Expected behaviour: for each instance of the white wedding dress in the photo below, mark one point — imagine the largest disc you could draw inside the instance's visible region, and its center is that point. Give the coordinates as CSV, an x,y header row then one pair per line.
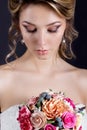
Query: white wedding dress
x,y
9,119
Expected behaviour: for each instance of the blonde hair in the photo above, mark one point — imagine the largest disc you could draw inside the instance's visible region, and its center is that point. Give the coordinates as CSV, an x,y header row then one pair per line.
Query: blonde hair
x,y
64,8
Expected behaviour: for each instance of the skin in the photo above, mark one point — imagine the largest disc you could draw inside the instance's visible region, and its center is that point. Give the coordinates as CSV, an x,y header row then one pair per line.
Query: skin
x,y
41,68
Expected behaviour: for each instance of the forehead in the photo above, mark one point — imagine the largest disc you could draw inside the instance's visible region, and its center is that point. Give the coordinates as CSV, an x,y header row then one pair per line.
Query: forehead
x,y
40,13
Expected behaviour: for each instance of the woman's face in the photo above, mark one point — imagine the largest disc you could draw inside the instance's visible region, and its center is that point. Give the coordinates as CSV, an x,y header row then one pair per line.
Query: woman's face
x,y
42,30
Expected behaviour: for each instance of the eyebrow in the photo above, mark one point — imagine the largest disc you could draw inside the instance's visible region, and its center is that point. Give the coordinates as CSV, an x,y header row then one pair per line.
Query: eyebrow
x,y
46,25
53,23
28,23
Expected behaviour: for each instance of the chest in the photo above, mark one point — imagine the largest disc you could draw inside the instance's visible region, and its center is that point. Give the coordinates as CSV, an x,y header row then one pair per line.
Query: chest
x,y
24,87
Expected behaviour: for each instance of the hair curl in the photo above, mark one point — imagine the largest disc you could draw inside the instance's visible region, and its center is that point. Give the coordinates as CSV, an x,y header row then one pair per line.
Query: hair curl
x,y
64,8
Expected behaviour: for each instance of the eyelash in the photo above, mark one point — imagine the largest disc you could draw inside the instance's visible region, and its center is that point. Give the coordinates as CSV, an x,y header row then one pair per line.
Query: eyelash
x,y
33,31
54,31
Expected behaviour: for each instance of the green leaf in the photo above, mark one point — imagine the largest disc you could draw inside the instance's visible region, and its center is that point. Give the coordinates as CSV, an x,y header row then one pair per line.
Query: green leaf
x,y
50,121
38,104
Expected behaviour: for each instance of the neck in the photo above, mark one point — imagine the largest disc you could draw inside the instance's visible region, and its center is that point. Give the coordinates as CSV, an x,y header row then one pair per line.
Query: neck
x,y
40,65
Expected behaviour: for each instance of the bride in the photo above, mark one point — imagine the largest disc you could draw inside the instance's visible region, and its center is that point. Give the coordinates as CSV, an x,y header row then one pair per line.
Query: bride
x,y
46,28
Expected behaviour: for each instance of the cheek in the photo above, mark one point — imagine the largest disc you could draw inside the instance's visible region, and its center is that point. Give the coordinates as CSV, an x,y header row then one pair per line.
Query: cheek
x,y
26,38
56,39
59,36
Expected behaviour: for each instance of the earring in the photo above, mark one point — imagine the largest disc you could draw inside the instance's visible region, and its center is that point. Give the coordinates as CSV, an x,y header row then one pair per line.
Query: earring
x,y
22,42
63,41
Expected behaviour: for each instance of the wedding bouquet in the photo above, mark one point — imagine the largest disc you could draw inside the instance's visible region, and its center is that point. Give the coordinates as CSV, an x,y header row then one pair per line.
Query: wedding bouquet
x,y
50,111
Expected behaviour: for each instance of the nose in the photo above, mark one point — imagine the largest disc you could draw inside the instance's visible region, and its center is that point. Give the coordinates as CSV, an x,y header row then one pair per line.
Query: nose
x,y
41,38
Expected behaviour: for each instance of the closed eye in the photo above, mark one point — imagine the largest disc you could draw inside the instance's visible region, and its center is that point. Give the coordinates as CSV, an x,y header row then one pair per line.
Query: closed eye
x,y
53,29
31,29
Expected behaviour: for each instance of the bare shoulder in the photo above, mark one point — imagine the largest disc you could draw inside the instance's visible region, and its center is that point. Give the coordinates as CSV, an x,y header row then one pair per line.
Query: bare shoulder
x,y
5,75
82,82
7,68
6,85
79,73
82,76
4,70
79,76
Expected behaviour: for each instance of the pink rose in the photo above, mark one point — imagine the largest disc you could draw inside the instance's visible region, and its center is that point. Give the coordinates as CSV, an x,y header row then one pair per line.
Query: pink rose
x,y
69,120
24,118
38,120
49,127
70,101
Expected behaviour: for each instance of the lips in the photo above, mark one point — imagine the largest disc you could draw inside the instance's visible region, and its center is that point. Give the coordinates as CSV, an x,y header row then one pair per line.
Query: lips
x,y
42,52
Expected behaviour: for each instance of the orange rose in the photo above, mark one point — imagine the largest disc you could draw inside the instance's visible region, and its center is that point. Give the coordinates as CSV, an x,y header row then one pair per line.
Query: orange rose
x,y
54,108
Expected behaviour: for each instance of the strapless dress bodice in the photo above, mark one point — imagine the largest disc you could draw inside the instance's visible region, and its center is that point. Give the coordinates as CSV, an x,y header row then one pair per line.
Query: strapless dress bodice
x,y
9,118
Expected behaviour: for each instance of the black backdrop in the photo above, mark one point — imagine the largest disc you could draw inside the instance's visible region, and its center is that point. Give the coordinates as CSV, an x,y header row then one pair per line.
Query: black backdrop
x,y
79,45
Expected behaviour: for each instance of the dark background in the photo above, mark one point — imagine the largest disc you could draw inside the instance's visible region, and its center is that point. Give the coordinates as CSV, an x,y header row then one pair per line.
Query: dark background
x,y
79,45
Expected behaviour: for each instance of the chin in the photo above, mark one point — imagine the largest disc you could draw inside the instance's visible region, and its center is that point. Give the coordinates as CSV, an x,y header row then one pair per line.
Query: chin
x,y
46,57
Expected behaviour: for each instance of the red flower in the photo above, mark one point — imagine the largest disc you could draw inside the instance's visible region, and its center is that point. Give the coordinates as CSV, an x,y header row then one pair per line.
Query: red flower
x,y
24,118
80,128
